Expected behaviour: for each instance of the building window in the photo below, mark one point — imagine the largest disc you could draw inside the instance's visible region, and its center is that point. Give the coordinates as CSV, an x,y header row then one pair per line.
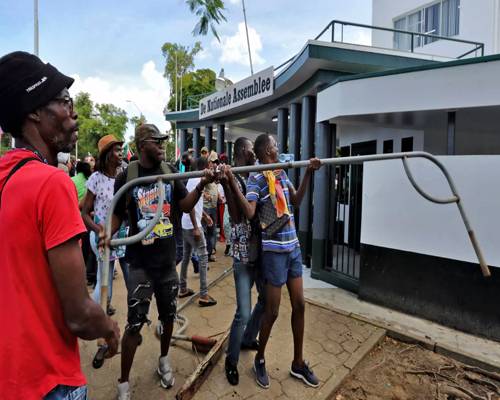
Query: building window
x,y
388,146
451,17
440,18
407,144
432,20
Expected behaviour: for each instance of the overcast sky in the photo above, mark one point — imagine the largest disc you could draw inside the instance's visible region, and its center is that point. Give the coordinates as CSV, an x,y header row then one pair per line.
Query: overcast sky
x,y
113,48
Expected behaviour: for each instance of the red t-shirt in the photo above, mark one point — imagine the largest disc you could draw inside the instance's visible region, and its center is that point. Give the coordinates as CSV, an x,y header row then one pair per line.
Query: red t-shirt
x,y
39,211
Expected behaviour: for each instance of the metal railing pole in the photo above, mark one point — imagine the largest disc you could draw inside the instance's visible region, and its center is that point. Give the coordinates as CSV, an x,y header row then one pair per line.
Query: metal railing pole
x,y
301,164
116,242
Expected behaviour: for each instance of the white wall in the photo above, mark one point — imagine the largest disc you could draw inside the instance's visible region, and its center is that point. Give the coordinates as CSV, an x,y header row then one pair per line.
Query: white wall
x,y
395,216
463,86
348,134
479,22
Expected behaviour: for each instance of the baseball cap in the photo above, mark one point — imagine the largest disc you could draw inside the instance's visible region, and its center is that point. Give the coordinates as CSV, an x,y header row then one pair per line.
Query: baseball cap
x,y
148,131
26,83
106,142
213,156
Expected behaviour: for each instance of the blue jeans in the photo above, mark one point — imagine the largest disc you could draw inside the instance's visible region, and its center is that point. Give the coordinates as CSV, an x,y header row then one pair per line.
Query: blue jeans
x,y
62,392
246,323
179,248
210,231
201,248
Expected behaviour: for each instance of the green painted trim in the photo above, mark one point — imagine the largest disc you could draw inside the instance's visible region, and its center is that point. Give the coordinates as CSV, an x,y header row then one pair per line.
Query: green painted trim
x,y
182,115
364,59
292,68
320,78
369,60
418,68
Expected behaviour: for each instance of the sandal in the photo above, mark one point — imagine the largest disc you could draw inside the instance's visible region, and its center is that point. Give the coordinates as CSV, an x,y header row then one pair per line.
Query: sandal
x,y
207,302
186,293
110,310
98,360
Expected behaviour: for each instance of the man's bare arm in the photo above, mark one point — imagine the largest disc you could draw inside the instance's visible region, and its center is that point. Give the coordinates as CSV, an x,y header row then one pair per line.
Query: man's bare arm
x,y
85,318
247,207
296,196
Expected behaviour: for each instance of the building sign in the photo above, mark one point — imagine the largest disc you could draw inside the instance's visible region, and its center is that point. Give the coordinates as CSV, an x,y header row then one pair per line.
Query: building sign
x,y
253,88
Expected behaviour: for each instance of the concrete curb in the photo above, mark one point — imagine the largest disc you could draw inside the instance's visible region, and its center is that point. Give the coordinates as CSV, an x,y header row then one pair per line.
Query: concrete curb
x,y
440,348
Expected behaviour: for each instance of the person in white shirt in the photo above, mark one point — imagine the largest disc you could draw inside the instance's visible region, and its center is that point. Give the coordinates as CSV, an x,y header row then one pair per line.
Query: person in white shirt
x,y
194,239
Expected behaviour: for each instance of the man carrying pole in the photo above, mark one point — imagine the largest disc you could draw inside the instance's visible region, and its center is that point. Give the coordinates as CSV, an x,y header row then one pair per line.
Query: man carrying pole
x,y
152,260
271,195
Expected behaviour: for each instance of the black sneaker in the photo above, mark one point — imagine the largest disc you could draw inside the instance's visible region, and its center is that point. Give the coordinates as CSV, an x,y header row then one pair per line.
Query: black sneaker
x,y
259,368
253,345
305,373
226,251
232,373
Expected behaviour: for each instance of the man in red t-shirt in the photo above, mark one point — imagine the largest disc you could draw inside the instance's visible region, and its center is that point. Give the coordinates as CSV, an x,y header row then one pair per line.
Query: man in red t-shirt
x,y
44,301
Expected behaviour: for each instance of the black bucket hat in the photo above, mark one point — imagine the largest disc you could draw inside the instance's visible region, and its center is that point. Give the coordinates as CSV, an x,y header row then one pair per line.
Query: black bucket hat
x,y
26,83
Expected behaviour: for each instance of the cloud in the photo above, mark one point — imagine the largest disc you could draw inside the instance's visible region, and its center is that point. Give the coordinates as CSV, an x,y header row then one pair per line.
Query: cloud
x,y
234,48
148,89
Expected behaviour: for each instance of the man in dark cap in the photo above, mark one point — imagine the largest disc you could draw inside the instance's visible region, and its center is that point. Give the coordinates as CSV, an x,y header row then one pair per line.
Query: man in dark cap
x,y
45,303
152,261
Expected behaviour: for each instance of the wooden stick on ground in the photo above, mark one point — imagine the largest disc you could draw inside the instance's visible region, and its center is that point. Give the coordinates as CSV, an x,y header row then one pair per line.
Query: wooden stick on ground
x,y
193,383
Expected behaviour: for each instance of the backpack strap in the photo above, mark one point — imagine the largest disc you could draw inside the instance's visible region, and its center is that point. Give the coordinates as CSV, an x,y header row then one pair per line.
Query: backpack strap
x,y
242,184
16,168
132,171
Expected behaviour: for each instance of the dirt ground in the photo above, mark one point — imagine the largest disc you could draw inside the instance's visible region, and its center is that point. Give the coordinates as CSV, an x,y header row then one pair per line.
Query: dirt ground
x,y
396,370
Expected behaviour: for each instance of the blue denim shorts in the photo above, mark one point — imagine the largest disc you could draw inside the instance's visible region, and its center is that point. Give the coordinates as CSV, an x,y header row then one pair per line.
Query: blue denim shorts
x,y
279,267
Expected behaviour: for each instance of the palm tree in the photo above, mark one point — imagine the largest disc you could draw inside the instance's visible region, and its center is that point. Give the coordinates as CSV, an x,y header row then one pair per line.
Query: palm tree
x,y
210,13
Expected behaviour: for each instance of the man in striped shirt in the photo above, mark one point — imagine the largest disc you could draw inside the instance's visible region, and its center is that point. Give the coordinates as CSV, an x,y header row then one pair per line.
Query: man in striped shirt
x,y
281,256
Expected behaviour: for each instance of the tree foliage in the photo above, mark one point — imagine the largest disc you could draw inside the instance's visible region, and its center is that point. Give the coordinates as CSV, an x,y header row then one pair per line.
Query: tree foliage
x,y
5,142
210,13
179,60
194,84
96,121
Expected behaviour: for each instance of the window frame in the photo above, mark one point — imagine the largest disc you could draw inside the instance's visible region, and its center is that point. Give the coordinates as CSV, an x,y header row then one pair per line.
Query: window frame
x,y
399,42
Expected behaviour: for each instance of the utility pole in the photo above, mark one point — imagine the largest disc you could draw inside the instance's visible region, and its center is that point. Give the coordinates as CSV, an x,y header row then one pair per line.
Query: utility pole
x,y
35,26
248,39
176,108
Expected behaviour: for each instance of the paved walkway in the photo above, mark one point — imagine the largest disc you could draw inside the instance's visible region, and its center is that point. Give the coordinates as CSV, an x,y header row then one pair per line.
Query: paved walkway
x,y
334,344
447,341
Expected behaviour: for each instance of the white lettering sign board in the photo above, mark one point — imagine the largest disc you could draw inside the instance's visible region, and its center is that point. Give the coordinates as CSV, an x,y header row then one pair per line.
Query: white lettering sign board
x,y
255,87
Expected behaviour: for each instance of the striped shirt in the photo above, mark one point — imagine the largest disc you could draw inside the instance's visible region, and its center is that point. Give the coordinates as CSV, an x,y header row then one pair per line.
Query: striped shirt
x,y
285,240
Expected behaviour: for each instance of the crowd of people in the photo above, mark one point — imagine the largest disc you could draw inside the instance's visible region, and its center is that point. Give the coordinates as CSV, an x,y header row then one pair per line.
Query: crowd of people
x,y
52,236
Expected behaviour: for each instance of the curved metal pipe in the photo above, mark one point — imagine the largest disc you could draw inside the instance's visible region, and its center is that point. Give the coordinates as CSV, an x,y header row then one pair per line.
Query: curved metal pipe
x,y
301,164
421,191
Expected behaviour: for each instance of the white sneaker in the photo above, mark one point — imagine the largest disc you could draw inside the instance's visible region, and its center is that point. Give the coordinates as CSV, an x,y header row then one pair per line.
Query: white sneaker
x,y
167,379
123,391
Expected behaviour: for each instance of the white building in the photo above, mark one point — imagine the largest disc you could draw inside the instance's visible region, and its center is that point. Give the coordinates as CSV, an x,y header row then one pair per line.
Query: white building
x,y
477,20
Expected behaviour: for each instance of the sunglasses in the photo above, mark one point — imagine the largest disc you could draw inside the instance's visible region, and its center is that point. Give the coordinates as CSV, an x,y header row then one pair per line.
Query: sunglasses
x,y
156,141
66,101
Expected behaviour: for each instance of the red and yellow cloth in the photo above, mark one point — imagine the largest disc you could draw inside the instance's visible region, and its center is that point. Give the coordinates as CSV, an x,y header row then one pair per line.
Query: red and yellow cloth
x,y
276,192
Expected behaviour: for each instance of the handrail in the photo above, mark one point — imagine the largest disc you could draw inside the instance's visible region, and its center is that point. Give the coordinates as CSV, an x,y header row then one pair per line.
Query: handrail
x,y
300,164
478,46
381,28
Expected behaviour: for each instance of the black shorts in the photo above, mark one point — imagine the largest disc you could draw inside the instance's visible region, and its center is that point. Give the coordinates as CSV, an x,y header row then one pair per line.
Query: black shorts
x,y
142,284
